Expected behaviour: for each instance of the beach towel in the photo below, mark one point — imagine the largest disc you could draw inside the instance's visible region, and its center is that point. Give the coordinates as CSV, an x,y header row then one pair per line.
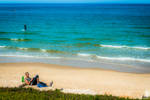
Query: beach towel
x,y
41,84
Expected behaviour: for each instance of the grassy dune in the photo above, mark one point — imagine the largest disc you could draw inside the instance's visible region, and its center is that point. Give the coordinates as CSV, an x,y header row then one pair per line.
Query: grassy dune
x,y
32,94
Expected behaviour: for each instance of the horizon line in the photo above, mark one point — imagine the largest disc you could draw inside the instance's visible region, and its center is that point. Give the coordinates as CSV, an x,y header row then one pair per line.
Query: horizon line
x,y
65,3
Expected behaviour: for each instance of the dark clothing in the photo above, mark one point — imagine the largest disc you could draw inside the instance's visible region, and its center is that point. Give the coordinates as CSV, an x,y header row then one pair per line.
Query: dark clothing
x,y
34,81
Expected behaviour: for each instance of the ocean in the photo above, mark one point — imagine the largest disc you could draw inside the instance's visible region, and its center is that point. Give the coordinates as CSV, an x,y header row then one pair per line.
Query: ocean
x,y
94,35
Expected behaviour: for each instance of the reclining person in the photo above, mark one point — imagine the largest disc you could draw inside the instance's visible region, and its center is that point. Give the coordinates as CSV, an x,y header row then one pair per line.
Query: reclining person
x,y
31,81
35,81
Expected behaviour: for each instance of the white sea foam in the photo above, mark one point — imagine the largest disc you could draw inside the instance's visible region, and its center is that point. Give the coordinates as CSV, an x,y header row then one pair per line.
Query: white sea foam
x,y
124,59
113,46
2,46
84,54
31,56
23,48
113,58
17,55
43,50
14,39
141,48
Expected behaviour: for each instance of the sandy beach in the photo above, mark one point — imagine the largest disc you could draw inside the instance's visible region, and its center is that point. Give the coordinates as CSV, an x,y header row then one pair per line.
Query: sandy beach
x,y
78,80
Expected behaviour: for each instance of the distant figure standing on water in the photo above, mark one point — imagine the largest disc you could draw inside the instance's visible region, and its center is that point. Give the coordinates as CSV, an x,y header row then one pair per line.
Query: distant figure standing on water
x,y
25,27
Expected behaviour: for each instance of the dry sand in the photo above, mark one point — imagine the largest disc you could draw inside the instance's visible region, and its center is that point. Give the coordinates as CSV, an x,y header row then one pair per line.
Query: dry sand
x,y
78,80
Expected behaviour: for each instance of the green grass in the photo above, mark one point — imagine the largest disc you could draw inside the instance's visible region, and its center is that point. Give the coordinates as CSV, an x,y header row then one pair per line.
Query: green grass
x,y
32,94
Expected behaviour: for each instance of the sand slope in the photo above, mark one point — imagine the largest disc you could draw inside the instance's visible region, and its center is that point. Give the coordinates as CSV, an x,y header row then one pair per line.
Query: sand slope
x,y
78,80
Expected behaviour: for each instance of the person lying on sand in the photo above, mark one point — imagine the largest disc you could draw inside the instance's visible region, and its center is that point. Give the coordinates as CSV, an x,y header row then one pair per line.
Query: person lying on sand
x,y
34,80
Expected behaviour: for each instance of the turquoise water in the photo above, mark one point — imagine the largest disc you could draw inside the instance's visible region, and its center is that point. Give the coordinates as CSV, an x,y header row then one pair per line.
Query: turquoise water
x,y
81,31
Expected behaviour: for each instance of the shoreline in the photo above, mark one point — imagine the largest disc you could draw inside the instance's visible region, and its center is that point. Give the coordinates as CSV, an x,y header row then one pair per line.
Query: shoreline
x,y
78,80
121,66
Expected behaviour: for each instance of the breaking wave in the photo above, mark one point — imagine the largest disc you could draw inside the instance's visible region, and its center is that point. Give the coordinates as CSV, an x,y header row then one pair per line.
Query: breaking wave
x,y
112,58
112,46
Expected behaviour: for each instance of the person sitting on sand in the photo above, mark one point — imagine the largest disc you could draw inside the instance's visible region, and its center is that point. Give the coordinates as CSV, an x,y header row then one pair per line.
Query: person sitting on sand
x,y
29,81
35,81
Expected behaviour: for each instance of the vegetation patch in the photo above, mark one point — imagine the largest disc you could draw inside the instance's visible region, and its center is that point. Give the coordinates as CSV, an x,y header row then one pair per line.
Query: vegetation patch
x,y
32,94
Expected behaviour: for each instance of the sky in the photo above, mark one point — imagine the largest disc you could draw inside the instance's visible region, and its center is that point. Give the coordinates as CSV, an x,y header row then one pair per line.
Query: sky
x,y
74,1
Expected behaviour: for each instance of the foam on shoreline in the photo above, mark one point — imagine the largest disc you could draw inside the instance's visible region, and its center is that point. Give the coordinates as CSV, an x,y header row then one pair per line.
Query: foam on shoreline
x,y
113,58
82,61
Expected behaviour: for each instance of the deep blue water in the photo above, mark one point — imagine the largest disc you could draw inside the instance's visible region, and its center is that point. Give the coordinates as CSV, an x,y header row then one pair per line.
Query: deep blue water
x,y
87,31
